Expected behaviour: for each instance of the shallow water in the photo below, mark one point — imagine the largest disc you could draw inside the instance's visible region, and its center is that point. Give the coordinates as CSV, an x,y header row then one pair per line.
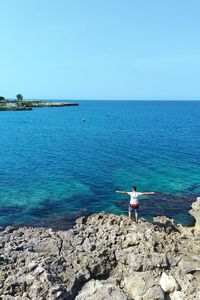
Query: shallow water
x,y
55,166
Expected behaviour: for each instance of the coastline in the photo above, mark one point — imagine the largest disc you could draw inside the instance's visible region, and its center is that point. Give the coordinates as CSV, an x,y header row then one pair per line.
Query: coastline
x,y
104,255
30,104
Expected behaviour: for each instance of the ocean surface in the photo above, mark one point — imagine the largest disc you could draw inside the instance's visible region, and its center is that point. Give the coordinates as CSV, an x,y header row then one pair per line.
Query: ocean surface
x,y
57,164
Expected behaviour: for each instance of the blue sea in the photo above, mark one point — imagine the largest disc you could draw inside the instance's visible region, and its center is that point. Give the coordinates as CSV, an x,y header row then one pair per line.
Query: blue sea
x,y
57,164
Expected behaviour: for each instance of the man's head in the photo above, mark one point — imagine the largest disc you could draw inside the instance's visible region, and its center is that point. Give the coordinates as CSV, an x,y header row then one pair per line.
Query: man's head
x,y
134,188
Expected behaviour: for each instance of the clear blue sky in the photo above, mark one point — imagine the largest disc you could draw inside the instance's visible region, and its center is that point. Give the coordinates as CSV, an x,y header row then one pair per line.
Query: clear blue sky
x,y
100,49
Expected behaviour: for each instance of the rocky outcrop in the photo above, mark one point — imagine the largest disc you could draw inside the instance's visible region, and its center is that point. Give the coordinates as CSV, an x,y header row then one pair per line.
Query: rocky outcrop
x,y
29,104
13,108
195,212
103,257
52,104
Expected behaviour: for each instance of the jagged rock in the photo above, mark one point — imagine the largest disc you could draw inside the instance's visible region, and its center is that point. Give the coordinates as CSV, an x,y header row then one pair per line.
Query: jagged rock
x,y
144,285
101,290
177,295
168,224
195,212
189,266
104,255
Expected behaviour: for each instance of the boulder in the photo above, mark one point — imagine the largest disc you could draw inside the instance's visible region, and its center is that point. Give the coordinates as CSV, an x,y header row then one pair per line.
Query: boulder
x,y
168,283
101,290
143,285
177,295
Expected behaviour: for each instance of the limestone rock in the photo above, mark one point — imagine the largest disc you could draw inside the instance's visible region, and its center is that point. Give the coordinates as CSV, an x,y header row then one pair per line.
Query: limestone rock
x,y
168,283
104,255
101,290
144,285
195,212
177,295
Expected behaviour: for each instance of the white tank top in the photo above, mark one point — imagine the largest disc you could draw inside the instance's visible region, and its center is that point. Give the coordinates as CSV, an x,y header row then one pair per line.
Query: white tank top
x,y
134,197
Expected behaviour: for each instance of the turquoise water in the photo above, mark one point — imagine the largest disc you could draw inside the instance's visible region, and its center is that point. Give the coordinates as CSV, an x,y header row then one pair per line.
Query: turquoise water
x,y
55,166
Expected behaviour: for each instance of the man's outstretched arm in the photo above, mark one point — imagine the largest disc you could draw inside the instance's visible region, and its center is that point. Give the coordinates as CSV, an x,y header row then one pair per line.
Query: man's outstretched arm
x,y
148,193
121,192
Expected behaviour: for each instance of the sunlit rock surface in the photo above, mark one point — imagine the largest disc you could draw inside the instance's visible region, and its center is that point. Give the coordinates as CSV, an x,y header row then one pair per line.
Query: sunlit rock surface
x,y
103,257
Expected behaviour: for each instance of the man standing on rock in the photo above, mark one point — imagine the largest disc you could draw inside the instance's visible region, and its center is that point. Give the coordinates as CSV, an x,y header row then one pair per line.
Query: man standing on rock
x,y
134,201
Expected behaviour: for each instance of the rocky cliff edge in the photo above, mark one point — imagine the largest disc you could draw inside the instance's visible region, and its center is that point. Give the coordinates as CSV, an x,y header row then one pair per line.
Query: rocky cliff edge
x,y
103,257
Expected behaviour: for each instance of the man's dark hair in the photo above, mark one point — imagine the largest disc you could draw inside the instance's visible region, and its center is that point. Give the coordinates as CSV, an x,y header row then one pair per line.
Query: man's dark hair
x,y
134,188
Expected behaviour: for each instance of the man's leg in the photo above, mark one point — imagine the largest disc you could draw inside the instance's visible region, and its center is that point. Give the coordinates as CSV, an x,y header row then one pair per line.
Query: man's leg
x,y
130,213
136,214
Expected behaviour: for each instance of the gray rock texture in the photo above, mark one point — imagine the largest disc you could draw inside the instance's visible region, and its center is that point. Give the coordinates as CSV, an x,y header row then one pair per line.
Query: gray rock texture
x,y
195,212
103,257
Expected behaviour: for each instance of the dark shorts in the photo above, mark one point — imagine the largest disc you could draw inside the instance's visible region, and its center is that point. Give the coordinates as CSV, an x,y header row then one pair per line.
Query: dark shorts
x,y
133,208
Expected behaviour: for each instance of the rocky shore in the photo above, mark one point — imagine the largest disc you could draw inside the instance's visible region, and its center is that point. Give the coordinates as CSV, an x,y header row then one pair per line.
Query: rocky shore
x,y
54,104
29,104
103,257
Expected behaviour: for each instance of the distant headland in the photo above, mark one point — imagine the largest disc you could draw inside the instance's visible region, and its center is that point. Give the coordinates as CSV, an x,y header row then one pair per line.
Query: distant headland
x,y
21,104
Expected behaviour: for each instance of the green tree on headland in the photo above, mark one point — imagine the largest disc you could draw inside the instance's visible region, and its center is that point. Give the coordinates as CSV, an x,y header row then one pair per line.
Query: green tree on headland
x,y
19,97
2,98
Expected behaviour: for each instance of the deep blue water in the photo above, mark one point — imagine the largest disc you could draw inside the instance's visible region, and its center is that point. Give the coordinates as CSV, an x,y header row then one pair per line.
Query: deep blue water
x,y
54,166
